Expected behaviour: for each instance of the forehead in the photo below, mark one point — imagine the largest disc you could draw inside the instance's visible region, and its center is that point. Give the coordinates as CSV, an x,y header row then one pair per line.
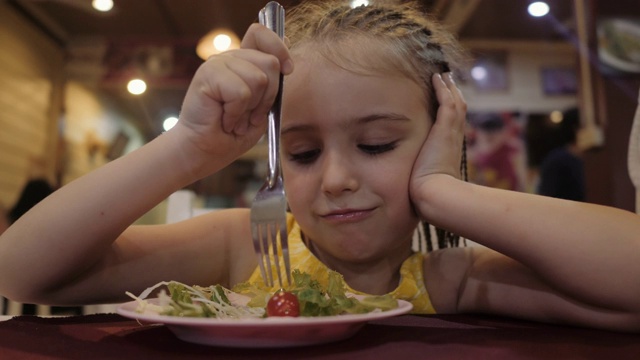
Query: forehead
x,y
321,91
360,54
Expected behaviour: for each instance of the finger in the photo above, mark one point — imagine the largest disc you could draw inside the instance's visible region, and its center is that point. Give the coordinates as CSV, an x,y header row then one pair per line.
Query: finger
x,y
242,126
242,81
446,103
260,38
234,94
261,73
270,66
257,118
458,98
218,88
455,114
452,108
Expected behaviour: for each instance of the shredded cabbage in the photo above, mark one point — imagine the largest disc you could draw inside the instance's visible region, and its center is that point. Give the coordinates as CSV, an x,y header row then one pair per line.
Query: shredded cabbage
x,y
248,300
197,301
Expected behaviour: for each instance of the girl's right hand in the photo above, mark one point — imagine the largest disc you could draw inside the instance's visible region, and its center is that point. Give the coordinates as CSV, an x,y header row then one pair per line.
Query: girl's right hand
x,y
225,109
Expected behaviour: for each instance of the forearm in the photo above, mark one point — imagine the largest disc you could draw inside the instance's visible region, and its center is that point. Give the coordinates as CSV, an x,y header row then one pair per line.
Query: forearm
x,y
72,229
587,251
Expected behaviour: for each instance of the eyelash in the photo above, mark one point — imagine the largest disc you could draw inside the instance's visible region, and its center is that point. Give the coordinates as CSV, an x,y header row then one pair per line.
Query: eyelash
x,y
377,149
307,157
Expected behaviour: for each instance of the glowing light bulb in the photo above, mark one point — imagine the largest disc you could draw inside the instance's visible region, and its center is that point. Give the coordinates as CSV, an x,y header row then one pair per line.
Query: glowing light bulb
x,y
137,86
556,117
222,42
538,9
169,123
102,5
215,42
479,72
356,3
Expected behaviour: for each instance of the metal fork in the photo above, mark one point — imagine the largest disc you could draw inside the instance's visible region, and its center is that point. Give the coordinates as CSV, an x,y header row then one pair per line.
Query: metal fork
x,y
268,210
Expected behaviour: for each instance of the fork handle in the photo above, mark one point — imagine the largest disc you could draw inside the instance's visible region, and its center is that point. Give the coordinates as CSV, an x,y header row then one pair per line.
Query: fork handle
x,y
272,16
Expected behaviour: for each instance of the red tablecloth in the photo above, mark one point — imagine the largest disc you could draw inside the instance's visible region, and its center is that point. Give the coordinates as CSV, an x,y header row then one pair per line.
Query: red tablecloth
x,y
406,337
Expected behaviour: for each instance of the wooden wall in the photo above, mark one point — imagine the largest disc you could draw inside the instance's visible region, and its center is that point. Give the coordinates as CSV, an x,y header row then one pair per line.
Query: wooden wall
x,y
31,97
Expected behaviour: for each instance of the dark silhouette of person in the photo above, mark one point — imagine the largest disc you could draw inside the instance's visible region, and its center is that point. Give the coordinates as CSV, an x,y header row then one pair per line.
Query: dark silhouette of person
x,y
34,191
562,169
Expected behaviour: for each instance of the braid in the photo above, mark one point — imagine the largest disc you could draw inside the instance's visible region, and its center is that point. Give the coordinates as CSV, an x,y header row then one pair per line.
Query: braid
x,y
416,47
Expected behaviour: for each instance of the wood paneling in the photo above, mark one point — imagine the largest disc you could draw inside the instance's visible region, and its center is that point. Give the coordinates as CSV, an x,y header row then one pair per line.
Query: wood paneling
x,y
31,81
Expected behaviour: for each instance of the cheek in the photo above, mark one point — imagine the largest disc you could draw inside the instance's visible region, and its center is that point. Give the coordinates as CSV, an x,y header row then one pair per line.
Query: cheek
x,y
396,174
399,168
296,187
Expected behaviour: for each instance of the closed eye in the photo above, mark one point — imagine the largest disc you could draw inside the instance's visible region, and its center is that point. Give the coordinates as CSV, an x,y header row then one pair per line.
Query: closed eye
x,y
306,157
377,149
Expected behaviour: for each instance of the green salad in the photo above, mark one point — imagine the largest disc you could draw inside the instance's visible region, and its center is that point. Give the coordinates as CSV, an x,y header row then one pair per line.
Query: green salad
x,y
305,297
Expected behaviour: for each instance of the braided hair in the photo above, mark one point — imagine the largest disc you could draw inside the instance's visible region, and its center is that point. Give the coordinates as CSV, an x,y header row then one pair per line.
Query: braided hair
x,y
415,47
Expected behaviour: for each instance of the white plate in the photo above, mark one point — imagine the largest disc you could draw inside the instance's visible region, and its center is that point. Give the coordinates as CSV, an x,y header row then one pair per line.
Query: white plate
x,y
620,56
267,332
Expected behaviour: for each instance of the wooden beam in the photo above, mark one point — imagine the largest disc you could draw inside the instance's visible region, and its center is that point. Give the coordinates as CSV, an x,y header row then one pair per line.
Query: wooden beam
x,y
457,13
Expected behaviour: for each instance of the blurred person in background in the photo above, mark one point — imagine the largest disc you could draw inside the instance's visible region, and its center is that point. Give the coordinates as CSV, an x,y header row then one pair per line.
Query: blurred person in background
x,y
496,151
562,170
34,191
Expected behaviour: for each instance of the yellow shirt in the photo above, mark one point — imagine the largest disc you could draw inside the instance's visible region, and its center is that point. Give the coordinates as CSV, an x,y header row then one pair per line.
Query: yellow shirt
x,y
411,287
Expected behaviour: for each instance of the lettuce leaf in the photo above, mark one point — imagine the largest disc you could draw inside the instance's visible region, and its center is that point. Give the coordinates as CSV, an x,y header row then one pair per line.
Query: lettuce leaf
x,y
314,299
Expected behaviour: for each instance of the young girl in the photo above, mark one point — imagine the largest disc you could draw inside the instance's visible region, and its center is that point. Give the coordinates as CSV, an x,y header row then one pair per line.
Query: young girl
x,y
360,97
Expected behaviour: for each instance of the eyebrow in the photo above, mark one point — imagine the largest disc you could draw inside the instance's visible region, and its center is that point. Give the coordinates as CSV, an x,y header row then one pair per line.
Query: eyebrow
x,y
362,120
384,116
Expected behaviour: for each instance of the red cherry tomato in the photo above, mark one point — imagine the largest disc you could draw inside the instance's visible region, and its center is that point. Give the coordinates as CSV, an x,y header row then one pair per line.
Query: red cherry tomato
x,y
283,303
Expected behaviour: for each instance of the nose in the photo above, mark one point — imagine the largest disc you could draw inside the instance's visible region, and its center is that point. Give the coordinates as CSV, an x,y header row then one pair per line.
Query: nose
x,y
339,174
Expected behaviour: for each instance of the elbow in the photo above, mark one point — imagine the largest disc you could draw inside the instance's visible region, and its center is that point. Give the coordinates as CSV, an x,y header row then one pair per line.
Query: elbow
x,y
22,294
617,322
18,287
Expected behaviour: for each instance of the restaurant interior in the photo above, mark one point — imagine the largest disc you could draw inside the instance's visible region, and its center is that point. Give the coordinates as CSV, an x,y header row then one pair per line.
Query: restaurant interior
x,y
67,65
83,82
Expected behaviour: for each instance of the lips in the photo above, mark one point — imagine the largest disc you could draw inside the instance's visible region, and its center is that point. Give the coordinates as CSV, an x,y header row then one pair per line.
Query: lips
x,y
348,215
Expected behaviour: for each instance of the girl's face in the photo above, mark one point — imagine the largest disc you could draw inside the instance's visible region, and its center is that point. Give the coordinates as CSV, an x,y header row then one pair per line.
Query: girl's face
x,y
348,146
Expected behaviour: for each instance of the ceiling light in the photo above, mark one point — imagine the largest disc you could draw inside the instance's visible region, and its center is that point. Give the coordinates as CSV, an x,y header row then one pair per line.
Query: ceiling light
x,y
102,5
217,41
356,3
137,86
538,9
556,117
479,72
169,123
222,42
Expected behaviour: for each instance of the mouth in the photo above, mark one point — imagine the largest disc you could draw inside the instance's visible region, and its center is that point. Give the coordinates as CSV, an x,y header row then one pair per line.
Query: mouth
x,y
348,215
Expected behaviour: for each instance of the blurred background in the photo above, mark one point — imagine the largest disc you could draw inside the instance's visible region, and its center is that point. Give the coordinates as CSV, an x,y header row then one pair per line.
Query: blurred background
x,y
83,82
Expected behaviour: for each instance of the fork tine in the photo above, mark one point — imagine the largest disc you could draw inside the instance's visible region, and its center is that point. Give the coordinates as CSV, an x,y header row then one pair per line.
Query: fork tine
x,y
273,227
257,244
284,244
264,251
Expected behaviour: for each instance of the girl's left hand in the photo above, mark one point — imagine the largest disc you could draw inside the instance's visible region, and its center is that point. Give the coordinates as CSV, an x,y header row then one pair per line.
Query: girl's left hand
x,y
441,152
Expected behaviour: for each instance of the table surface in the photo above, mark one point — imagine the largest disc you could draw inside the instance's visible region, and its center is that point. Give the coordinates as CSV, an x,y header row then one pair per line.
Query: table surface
x,y
403,337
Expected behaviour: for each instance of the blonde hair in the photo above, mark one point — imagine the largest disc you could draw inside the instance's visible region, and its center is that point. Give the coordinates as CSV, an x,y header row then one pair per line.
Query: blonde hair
x,y
385,36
